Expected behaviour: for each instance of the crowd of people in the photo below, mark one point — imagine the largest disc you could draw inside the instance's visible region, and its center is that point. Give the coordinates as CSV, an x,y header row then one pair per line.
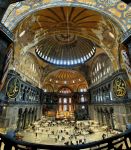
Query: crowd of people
x,y
65,131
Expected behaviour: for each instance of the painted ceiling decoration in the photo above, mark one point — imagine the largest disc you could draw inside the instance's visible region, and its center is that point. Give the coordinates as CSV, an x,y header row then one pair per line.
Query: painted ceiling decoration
x,y
67,38
116,9
65,77
66,33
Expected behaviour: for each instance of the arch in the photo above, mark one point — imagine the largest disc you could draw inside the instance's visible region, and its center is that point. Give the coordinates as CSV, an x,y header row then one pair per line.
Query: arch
x,y
56,71
78,3
29,116
82,88
20,111
104,26
102,122
28,57
63,88
60,76
28,68
26,118
106,110
98,109
33,114
111,110
19,121
101,69
48,88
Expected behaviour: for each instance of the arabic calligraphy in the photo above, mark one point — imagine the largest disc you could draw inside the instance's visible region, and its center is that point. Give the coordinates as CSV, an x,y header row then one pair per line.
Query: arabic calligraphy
x,y
119,87
13,88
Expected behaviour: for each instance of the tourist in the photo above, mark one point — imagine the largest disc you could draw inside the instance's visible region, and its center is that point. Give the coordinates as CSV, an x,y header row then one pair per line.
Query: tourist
x,y
55,140
103,136
84,140
77,142
58,136
71,143
36,134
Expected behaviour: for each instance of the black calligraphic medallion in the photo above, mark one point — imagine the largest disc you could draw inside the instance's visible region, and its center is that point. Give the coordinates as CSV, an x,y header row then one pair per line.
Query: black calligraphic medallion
x,y
119,87
13,88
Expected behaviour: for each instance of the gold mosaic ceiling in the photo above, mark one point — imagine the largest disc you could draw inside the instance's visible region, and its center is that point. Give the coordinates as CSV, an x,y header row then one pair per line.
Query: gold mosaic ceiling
x,y
66,33
69,33
116,9
64,20
66,77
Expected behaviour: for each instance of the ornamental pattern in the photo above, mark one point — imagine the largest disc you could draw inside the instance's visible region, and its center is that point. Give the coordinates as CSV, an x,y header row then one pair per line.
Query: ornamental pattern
x,y
119,87
107,3
116,9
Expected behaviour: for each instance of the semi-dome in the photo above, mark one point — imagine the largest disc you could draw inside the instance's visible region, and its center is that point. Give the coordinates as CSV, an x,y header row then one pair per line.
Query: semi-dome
x,y
65,77
69,37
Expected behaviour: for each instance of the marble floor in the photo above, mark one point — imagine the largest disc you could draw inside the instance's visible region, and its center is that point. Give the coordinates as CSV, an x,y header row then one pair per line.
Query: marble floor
x,y
53,133
63,134
45,138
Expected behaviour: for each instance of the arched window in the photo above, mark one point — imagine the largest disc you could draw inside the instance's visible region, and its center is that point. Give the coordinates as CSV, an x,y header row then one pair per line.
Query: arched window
x,y
82,98
48,88
83,107
101,68
65,100
82,88
65,106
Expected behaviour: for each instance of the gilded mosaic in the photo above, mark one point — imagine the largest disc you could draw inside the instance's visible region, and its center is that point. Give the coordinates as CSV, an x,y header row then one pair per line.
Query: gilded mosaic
x,y
114,8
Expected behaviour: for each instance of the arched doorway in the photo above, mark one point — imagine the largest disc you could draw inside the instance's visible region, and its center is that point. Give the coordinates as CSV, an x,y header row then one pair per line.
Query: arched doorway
x,y
25,119
20,118
29,116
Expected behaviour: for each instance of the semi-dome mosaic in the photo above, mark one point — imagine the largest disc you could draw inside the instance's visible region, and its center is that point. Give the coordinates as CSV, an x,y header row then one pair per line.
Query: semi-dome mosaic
x,y
64,77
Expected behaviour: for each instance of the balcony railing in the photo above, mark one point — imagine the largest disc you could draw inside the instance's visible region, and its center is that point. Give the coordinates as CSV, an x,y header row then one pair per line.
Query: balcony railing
x,y
118,142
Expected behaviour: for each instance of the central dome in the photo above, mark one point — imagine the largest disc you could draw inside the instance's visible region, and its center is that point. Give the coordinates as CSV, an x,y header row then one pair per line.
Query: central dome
x,y
65,49
65,36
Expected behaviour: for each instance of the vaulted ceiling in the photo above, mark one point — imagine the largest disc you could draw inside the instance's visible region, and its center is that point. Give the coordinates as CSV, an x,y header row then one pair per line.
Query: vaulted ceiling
x,y
65,37
65,78
54,24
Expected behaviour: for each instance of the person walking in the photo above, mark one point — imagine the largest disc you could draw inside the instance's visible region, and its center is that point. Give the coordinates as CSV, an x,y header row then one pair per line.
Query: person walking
x,y
103,136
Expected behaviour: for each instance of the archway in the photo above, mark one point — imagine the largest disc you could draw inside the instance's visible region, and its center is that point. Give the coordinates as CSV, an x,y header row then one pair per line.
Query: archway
x,y
29,116
25,118
20,118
